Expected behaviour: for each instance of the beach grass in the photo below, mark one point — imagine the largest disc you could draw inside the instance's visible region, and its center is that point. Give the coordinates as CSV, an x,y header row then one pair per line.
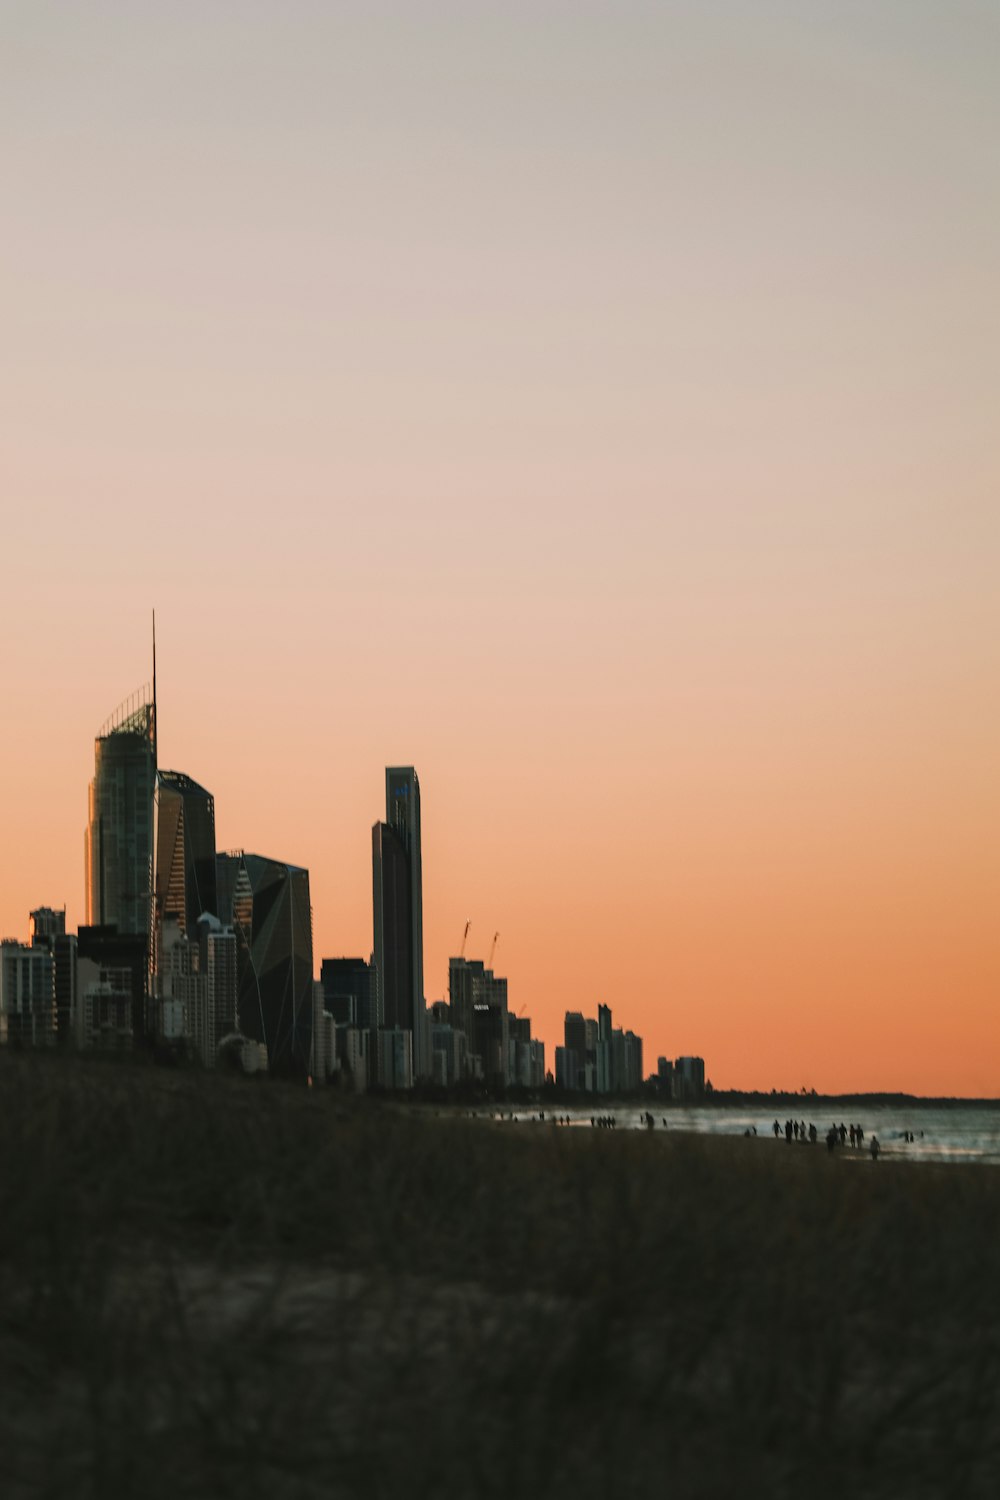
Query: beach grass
x,y
217,1286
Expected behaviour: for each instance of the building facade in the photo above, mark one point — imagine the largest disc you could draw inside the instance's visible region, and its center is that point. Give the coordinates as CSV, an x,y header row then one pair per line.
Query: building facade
x,y
598,1057
27,994
397,909
348,991
184,874
478,1007
119,841
266,902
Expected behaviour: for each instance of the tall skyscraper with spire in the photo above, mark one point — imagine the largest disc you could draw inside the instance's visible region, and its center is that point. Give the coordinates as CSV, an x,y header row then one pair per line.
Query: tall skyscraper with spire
x,y
119,843
397,900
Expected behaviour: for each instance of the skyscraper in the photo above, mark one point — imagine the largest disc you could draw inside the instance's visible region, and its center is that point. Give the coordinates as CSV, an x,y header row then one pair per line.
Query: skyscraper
x,y
397,899
184,879
478,999
267,904
27,994
347,991
119,843
48,930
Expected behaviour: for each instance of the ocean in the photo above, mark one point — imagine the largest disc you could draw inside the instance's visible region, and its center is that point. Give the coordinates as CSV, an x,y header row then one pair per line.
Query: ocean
x,y
942,1133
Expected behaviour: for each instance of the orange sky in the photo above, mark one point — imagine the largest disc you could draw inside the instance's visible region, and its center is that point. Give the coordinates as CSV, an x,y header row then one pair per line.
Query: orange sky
x,y
593,406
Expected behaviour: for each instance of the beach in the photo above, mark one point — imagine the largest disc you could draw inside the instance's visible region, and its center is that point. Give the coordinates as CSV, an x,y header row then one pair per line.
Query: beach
x,y
216,1286
911,1130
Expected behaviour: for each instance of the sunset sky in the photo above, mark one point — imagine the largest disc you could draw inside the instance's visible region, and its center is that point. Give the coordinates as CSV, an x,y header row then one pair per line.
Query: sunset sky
x,y
594,405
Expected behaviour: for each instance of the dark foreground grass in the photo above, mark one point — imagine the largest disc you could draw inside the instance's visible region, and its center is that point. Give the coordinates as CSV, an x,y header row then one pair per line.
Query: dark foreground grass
x,y
214,1287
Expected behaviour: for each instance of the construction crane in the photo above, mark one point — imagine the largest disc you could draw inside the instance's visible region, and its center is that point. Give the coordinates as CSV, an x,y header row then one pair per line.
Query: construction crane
x,y
465,934
493,949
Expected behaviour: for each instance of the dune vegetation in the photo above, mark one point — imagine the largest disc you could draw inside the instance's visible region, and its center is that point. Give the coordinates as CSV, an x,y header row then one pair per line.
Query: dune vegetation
x,y
216,1286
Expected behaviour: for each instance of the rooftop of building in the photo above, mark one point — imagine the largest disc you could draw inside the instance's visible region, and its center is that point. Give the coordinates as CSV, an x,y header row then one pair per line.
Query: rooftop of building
x,y
178,781
134,715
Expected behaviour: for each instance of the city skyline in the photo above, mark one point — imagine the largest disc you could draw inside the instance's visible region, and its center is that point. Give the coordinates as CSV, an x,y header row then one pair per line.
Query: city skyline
x,y
134,721
593,408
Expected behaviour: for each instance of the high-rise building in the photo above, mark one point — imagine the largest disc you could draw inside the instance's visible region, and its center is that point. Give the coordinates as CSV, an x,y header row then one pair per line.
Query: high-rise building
x,y
27,994
567,1068
46,925
392,909
184,889
665,1076
478,1000
575,1037
106,956
689,1079
48,931
607,1059
119,843
219,966
397,900
266,902
184,878
348,985
64,963
449,1053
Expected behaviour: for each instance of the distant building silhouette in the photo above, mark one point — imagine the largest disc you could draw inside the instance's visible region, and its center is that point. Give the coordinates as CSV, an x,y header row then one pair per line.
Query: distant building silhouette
x,y
119,842
46,925
527,1055
266,902
48,930
688,1079
110,987
215,1016
567,1068
395,1058
27,994
348,991
184,887
598,1057
478,1007
184,874
397,903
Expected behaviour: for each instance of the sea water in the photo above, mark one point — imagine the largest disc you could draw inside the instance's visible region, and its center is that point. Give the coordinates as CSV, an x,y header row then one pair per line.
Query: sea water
x,y
943,1133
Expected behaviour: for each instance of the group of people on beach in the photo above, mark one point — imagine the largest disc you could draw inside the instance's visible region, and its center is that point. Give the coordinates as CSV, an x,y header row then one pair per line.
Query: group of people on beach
x,y
837,1135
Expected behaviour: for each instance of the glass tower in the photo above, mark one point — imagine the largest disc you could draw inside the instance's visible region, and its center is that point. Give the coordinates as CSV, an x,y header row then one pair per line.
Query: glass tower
x,y
184,843
119,843
267,904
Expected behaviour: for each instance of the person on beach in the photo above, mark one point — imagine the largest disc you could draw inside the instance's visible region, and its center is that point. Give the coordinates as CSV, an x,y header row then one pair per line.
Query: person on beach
x,y
777,1130
875,1148
812,1135
853,1135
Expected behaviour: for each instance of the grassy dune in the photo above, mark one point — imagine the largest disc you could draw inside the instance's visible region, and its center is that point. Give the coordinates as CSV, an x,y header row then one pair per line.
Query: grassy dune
x,y
218,1287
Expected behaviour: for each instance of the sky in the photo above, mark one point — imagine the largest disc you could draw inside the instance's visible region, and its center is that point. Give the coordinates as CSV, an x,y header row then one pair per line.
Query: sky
x,y
593,405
